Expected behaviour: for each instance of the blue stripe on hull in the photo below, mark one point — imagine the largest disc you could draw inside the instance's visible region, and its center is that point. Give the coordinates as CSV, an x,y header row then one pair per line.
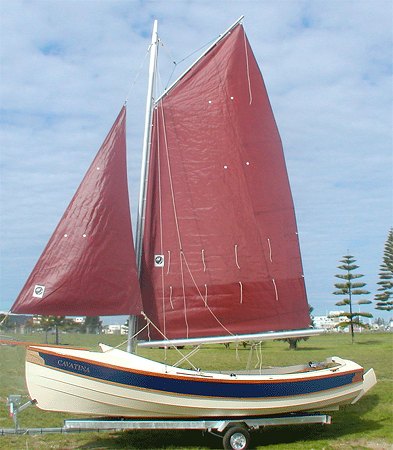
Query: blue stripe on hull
x,y
205,388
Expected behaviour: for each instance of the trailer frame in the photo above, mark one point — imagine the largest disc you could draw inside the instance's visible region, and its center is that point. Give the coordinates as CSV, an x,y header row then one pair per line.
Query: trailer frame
x,y
234,431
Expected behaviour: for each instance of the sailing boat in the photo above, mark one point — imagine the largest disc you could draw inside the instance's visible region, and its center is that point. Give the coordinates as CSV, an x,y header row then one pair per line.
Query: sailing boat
x,y
216,258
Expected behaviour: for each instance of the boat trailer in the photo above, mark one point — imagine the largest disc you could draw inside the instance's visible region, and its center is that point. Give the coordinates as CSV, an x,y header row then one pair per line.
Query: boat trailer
x,y
234,432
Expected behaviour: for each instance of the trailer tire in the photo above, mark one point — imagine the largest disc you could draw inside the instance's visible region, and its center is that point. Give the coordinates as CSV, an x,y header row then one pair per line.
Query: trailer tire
x,y
236,438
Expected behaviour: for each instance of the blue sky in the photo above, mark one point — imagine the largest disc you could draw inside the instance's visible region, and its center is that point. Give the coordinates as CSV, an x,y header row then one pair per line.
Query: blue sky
x,y
68,65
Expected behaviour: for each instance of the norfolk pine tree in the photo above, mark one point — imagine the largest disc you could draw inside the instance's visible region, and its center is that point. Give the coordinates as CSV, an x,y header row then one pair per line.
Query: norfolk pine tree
x,y
349,288
384,298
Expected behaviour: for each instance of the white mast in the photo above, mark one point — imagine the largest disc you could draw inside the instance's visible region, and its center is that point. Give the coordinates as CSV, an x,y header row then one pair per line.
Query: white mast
x,y
144,166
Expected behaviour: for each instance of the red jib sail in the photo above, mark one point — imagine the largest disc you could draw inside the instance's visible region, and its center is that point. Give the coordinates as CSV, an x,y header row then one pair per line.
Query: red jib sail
x,y
88,266
220,250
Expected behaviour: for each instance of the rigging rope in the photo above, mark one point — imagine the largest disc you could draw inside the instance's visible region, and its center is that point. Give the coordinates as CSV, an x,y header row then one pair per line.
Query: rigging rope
x,y
126,341
170,176
169,341
184,292
137,75
157,131
175,64
174,210
258,348
204,300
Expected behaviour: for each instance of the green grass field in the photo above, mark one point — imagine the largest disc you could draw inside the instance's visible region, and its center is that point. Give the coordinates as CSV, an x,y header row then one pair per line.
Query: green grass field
x,y
366,425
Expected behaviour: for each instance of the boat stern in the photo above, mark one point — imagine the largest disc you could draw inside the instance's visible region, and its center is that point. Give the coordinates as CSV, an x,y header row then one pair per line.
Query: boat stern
x,y
369,380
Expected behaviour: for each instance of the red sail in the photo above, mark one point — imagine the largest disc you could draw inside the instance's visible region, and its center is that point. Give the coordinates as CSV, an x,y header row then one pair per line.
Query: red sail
x,y
88,266
220,250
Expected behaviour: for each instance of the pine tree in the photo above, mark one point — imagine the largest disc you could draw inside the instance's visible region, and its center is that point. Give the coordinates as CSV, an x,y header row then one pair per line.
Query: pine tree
x,y
384,298
351,288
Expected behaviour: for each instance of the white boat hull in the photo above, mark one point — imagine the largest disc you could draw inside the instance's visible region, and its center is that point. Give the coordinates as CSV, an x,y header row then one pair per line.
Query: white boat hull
x,y
118,384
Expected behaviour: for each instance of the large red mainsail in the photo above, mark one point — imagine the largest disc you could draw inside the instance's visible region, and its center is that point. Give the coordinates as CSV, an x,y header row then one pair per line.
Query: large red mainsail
x,y
88,266
220,250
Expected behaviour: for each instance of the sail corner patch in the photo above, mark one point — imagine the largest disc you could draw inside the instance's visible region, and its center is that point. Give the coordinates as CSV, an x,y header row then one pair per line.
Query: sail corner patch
x,y
38,291
159,260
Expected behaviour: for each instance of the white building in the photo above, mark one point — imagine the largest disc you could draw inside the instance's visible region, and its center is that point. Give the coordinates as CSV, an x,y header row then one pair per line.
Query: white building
x,y
116,329
79,320
330,322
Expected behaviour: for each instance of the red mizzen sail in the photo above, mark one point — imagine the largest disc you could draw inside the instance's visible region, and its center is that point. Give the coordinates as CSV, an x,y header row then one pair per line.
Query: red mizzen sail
x,y
220,249
88,266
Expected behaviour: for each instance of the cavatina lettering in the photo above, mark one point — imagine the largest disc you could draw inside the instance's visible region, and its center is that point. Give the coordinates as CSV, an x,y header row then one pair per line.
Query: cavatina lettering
x,y
73,366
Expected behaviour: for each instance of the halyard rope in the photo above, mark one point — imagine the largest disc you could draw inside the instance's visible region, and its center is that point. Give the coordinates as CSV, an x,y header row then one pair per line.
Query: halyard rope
x,y
137,75
203,299
157,131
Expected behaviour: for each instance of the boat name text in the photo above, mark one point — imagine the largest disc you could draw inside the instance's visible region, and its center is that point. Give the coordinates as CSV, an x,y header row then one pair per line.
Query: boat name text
x,y
73,366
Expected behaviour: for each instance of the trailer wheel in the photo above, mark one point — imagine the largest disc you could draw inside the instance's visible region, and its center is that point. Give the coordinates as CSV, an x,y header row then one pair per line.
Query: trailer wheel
x,y
236,438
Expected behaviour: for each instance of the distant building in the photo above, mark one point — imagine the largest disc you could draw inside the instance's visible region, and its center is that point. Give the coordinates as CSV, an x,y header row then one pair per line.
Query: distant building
x,y
79,320
330,322
115,329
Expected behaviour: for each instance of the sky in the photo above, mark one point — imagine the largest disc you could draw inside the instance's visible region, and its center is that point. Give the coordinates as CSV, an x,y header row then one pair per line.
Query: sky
x,y
67,66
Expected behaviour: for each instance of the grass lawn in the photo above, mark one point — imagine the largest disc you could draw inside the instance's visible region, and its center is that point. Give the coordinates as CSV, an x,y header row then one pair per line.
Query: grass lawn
x,y
365,425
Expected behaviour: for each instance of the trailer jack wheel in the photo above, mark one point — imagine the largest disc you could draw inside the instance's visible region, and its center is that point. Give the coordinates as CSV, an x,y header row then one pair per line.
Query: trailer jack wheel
x,y
236,438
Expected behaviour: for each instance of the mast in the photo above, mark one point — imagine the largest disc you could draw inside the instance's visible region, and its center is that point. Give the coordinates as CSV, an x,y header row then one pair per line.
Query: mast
x,y
144,167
